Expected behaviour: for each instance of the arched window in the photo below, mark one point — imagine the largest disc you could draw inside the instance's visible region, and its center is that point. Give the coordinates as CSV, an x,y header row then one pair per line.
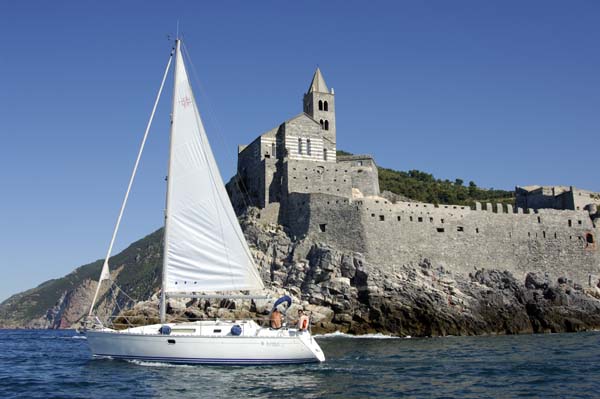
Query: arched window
x,y
321,122
308,146
326,125
325,106
324,154
299,146
589,238
321,105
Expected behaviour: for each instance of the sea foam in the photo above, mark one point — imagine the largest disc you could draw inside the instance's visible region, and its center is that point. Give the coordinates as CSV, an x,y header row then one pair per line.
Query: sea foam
x,y
339,334
156,364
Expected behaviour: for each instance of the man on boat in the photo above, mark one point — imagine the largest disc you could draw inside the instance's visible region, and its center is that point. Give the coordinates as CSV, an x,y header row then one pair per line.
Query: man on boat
x,y
276,319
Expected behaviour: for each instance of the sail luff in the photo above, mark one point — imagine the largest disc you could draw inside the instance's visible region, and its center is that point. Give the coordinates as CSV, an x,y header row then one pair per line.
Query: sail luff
x,y
163,297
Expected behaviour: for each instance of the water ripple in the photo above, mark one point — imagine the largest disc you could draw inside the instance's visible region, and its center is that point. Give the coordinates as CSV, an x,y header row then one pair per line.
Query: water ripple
x,y
47,364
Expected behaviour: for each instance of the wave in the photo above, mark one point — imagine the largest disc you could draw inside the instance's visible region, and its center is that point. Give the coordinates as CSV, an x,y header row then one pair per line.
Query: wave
x,y
339,334
156,364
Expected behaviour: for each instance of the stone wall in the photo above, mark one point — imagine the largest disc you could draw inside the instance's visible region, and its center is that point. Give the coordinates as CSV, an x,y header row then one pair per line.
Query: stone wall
x,y
555,197
363,172
325,218
560,243
551,242
583,198
317,177
251,177
258,167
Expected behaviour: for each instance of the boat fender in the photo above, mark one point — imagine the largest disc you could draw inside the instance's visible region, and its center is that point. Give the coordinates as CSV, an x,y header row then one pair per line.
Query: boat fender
x,y
165,330
236,330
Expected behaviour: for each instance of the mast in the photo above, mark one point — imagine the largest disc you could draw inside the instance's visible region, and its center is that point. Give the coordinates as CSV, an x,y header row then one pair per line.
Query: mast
x,y
163,295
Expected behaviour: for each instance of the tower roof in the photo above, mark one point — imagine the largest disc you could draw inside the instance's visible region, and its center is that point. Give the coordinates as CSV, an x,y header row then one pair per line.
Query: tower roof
x,y
318,83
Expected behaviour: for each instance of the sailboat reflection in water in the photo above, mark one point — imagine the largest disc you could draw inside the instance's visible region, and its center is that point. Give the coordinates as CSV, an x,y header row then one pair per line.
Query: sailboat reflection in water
x,y
204,251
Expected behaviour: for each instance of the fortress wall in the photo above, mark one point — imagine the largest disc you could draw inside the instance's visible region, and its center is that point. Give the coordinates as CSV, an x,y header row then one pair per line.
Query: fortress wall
x,y
317,177
463,240
557,197
363,171
326,218
273,150
582,198
251,172
420,208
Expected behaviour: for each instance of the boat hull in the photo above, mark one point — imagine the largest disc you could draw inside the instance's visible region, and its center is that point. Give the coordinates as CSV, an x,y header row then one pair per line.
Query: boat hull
x,y
300,348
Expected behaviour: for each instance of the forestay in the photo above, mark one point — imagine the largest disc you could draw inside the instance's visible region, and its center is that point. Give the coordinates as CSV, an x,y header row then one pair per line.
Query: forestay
x,y
205,249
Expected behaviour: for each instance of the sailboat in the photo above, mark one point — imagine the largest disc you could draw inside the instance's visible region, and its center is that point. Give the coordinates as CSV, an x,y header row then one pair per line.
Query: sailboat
x,y
204,252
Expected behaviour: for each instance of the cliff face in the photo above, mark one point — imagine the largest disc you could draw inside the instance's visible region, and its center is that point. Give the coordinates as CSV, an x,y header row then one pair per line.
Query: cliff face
x,y
340,289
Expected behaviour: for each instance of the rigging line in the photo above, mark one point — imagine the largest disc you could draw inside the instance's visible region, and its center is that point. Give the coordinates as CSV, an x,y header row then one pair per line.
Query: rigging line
x,y
218,129
116,299
124,293
105,274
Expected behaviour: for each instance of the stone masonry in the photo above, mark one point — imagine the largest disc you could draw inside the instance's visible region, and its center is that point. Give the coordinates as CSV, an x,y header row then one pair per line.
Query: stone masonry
x,y
292,174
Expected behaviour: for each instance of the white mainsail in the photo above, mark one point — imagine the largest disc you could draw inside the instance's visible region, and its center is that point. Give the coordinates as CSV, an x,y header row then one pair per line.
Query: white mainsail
x,y
205,249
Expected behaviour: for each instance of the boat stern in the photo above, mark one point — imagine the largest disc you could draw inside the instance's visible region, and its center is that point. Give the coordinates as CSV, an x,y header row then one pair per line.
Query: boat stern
x,y
313,346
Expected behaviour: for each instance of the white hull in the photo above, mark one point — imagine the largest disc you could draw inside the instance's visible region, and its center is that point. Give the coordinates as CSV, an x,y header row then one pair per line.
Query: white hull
x,y
207,342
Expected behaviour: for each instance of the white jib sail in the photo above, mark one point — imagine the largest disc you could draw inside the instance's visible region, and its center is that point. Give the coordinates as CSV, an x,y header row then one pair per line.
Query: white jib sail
x,y
205,248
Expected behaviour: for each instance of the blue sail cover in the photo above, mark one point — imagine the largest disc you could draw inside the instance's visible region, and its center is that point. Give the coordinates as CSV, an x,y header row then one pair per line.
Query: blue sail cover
x,y
283,299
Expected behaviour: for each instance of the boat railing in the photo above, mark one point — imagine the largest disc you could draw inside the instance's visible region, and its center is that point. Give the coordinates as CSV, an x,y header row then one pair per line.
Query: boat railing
x,y
121,322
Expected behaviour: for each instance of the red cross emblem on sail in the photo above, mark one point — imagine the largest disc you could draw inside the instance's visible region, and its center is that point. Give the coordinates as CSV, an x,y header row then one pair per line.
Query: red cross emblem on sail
x,y
185,101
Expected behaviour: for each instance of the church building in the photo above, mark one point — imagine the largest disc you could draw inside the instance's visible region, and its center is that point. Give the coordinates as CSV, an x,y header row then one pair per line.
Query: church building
x,y
299,156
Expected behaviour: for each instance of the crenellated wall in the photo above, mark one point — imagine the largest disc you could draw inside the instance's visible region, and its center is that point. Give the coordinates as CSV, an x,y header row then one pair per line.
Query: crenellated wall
x,y
552,242
556,197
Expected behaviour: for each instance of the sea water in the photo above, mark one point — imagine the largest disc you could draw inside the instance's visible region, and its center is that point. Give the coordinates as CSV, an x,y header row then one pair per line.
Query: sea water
x,y
58,364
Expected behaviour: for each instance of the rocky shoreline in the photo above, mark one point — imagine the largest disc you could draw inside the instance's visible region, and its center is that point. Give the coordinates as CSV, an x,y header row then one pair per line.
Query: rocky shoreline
x,y
341,291
344,293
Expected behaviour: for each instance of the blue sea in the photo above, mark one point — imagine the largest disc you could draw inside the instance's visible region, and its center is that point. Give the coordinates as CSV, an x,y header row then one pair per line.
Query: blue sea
x,y
57,364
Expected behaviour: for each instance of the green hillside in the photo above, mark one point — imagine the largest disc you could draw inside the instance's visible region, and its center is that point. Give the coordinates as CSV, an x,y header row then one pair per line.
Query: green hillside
x,y
139,277
424,187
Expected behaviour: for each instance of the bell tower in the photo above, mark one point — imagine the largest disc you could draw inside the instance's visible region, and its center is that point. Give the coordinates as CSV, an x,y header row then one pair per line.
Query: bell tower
x,y
319,104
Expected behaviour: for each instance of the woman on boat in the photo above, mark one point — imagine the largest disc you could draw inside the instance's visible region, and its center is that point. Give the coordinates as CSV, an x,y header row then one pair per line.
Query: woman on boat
x,y
302,320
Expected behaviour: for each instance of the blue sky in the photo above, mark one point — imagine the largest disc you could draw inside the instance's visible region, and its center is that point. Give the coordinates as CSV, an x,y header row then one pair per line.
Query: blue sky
x,y
504,93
